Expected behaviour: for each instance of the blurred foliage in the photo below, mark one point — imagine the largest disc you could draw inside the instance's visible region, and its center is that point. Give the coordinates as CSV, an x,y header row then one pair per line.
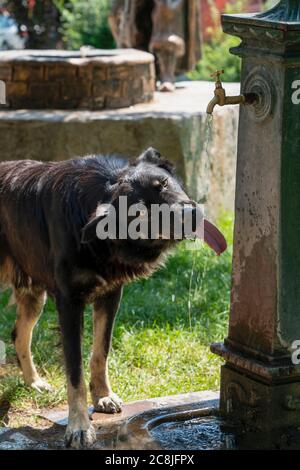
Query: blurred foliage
x,y
41,19
216,52
85,23
216,56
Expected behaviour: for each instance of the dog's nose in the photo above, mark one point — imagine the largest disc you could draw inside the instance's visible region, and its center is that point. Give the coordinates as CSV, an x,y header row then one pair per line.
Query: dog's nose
x,y
193,215
194,210
190,210
190,213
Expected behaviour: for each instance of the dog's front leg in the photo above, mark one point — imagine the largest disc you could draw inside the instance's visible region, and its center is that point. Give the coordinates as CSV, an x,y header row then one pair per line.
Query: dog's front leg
x,y
105,309
80,432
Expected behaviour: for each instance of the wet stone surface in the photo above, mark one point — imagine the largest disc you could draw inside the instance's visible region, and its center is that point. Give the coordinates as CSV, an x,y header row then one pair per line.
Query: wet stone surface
x,y
113,431
29,439
18,441
201,433
182,422
53,439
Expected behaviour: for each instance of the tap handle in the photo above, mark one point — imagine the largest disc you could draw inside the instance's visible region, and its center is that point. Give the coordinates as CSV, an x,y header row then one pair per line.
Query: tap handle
x,y
217,75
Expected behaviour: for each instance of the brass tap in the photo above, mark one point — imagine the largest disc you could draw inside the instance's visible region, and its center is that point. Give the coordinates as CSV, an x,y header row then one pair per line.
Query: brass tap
x,y
221,99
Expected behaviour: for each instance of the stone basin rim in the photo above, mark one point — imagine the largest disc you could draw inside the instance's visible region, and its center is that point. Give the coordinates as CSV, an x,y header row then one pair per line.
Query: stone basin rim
x,y
117,56
178,416
150,419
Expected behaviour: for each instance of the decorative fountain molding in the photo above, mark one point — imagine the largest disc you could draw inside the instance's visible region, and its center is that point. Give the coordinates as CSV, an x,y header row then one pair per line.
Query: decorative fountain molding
x,y
260,385
286,11
276,30
95,79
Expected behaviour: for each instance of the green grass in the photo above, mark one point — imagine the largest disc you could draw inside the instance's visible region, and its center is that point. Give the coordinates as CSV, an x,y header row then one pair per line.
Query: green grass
x,y
161,337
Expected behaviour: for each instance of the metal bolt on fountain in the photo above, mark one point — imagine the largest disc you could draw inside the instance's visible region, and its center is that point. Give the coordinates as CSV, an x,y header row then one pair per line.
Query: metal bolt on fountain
x,y
260,384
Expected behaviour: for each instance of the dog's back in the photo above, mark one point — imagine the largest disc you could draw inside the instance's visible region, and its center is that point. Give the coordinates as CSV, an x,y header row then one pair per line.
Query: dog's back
x,y
20,217
35,199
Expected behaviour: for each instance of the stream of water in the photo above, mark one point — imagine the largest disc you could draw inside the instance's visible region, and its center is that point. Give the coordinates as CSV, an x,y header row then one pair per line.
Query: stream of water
x,y
208,133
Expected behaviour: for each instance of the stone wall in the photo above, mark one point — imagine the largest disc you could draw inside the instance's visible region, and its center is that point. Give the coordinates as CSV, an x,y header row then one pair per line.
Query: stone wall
x,y
64,80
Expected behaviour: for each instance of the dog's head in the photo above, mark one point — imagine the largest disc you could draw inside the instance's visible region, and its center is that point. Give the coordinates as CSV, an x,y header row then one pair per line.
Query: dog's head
x,y
149,210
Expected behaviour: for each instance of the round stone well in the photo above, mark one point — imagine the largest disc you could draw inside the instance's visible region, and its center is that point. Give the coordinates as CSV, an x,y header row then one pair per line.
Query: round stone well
x,y
85,79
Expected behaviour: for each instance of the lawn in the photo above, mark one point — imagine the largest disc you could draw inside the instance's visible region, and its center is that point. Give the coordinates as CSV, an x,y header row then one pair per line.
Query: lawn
x,y
161,337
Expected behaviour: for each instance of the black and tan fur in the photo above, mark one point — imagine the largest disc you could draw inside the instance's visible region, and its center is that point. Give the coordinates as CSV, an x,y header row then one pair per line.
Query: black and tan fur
x,y
48,244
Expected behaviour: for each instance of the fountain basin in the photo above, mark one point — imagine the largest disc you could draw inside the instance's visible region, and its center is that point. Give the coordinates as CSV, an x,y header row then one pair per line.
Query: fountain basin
x,y
185,428
86,79
201,432
196,427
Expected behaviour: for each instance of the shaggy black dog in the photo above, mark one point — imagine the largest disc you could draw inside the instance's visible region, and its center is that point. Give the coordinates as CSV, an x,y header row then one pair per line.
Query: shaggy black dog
x,y
48,244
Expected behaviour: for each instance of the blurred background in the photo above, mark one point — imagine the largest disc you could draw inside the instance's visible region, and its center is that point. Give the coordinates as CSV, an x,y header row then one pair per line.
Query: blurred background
x,y
71,24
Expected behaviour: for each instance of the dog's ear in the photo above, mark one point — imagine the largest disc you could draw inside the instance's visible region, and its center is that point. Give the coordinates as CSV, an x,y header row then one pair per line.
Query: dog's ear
x,y
89,231
151,155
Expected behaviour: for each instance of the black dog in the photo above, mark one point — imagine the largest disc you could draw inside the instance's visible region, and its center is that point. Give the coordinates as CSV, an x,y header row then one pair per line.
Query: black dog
x,y
48,243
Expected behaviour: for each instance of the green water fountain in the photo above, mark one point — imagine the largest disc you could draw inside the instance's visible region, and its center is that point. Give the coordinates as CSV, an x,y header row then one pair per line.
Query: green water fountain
x,y
260,381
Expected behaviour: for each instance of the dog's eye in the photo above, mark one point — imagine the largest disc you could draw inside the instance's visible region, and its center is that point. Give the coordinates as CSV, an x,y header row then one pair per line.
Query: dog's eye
x,y
160,183
156,184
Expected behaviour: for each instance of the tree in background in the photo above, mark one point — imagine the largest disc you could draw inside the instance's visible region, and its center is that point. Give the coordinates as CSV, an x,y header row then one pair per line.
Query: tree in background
x,y
85,23
42,19
56,23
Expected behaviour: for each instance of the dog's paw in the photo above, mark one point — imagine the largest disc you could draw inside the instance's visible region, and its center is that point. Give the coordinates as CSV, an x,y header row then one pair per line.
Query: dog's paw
x,y
41,385
109,404
79,438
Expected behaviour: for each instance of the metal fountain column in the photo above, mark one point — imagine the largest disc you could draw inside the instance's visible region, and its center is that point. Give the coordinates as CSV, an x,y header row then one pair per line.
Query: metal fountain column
x,y
260,385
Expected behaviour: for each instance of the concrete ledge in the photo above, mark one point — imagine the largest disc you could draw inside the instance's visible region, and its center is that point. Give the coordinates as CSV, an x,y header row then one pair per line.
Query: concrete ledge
x,y
137,407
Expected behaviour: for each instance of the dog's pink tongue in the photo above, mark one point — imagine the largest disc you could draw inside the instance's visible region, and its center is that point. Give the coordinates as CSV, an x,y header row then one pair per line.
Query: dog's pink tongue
x,y
213,237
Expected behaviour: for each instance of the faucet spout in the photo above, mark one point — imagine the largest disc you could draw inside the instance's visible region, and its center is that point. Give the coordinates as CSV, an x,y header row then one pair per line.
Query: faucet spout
x,y
211,105
221,99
